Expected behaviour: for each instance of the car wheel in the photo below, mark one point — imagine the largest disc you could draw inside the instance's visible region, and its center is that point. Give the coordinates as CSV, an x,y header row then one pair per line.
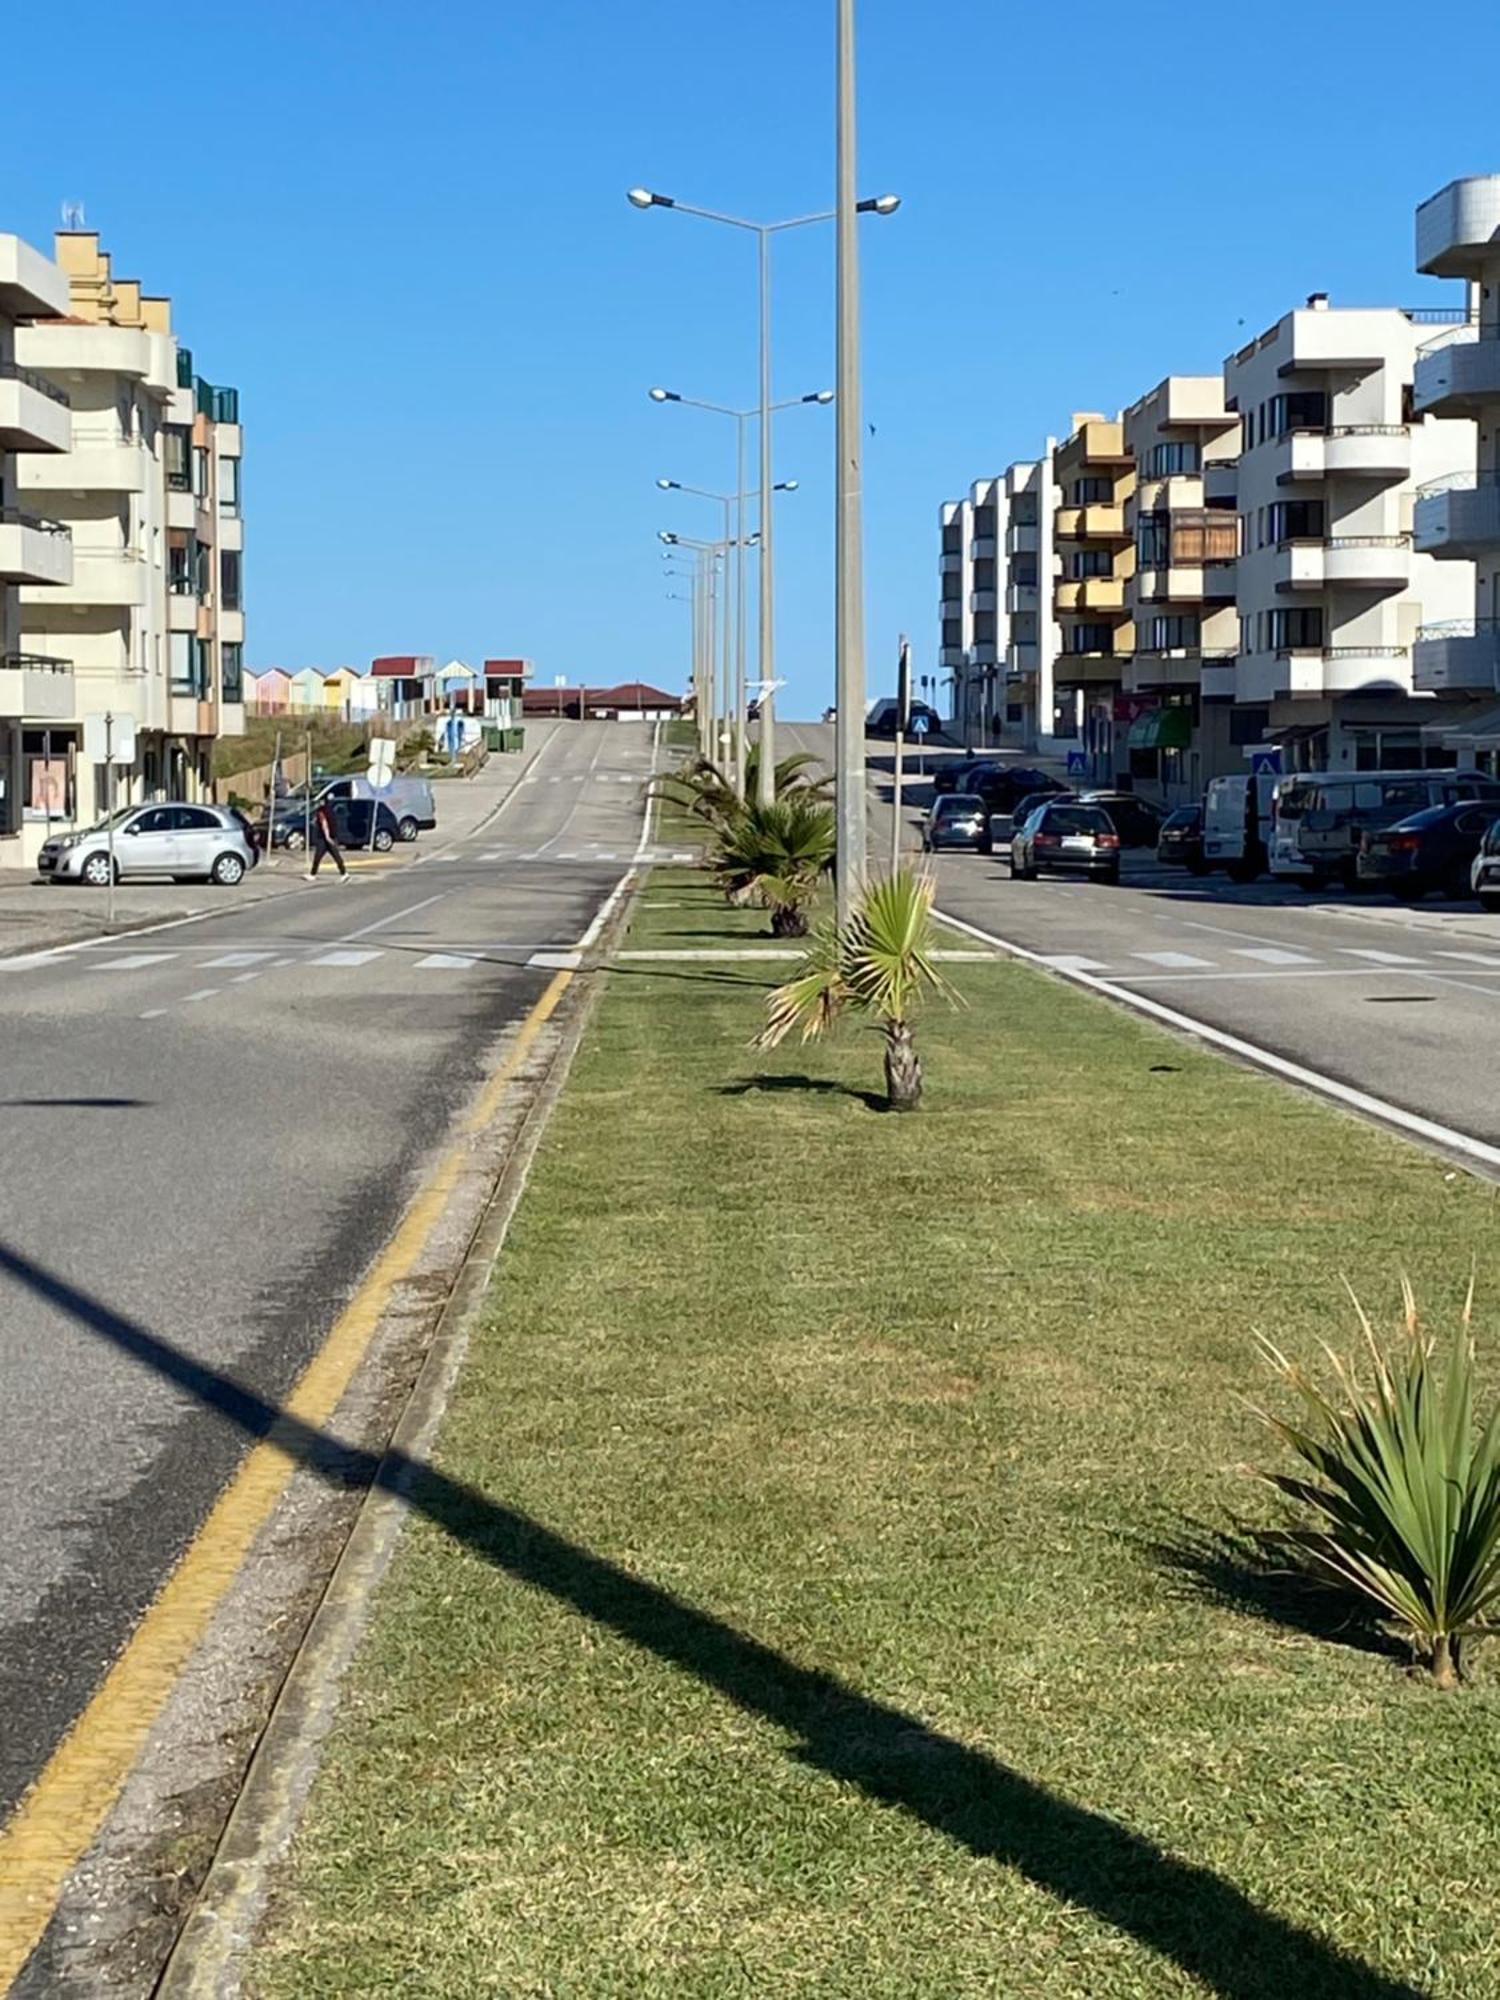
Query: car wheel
x,y
1489,899
228,869
1010,863
295,842
95,871
408,828
384,840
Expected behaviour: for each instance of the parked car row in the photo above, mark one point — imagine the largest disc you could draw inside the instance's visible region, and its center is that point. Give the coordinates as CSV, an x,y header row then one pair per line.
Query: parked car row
x,y
1049,824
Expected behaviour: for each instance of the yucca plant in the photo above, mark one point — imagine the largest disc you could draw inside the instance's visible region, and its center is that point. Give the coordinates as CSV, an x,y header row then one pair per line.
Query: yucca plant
x,y
775,855
1404,1482
880,963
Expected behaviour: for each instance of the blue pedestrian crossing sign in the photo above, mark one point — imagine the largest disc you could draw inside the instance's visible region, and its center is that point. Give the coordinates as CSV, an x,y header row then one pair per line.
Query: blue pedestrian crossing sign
x,y
919,724
1265,763
1078,763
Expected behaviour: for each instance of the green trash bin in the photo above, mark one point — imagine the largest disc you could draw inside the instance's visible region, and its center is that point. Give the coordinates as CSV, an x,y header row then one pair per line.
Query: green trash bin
x,y
494,736
513,739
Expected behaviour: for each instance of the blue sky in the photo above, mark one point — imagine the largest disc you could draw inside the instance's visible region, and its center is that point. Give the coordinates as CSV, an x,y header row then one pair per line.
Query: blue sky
x,y
401,232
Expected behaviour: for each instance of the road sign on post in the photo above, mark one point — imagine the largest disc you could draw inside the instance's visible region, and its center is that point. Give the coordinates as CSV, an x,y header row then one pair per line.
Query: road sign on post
x,y
379,771
1078,763
109,739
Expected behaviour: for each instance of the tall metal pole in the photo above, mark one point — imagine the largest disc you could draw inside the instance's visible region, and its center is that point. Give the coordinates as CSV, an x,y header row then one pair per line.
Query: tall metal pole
x,y
766,786
849,635
700,679
741,745
727,647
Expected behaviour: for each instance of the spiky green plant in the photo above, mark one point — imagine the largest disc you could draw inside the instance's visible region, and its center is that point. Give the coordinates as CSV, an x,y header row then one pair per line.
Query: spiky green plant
x,y
1404,1480
775,855
880,963
707,791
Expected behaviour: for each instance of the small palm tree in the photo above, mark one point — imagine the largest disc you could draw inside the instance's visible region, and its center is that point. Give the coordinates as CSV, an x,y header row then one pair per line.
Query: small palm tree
x,y
776,855
707,791
1404,1483
880,963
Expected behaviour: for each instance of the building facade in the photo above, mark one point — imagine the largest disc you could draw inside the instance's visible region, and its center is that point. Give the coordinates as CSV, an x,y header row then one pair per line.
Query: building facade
x,y
1331,592
1174,722
996,620
36,553
152,617
1094,560
1457,517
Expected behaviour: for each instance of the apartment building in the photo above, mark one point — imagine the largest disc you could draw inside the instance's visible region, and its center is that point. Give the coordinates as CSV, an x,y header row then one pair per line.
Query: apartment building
x,y
36,691
1094,562
1177,726
1331,592
1457,516
994,636
152,616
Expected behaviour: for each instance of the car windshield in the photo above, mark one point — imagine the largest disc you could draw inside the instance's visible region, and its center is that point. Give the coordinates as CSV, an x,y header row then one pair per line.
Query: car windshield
x,y
960,805
1183,820
1076,819
115,819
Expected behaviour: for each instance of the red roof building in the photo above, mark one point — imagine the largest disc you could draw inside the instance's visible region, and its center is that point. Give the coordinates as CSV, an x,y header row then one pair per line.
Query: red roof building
x,y
632,701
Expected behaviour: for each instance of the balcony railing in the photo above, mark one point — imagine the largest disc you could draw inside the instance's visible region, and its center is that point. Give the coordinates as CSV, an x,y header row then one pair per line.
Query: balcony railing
x,y
1345,652
12,371
35,663
13,517
1458,482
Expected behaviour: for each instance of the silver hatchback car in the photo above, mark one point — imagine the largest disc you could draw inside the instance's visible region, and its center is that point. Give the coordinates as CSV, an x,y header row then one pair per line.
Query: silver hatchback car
x,y
211,843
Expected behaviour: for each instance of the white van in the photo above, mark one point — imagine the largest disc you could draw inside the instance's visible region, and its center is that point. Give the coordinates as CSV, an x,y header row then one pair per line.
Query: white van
x,y
410,799
1237,824
1319,817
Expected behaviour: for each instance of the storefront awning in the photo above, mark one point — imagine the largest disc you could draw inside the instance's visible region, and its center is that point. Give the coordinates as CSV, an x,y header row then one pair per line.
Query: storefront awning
x,y
1482,733
1161,729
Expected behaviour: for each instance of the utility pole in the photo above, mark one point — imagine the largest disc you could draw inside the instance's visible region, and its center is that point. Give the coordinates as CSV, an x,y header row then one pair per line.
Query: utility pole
x,y
849,637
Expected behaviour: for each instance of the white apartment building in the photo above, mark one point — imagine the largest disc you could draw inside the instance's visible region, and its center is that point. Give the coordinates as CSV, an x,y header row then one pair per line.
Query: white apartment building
x,y
152,617
997,635
1178,727
1457,518
1330,591
35,552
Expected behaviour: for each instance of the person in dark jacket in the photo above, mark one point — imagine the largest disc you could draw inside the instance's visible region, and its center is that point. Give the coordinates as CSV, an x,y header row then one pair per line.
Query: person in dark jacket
x,y
325,842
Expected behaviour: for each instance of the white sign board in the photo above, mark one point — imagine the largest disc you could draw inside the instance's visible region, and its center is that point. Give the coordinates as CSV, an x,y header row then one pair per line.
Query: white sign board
x,y
382,765
109,739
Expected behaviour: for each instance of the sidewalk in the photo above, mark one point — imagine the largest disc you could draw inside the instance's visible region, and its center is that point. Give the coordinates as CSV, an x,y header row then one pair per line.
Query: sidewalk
x,y
829,1579
37,915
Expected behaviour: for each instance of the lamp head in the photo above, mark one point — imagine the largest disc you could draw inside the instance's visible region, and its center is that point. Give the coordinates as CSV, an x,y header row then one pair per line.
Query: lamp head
x,y
882,204
822,396
663,535
787,485
641,198
666,485
663,396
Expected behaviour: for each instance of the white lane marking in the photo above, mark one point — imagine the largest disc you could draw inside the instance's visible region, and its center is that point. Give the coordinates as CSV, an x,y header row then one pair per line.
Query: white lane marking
x,y
132,961
606,908
684,857
395,916
1377,957
344,957
1291,1072
1183,960
1271,954
612,855
444,961
559,961
1065,961
203,993
1473,957
152,1013
235,958
242,978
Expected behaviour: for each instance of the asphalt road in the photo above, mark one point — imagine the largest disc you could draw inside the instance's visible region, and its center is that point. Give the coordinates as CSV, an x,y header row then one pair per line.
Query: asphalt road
x,y
1399,1002
211,1130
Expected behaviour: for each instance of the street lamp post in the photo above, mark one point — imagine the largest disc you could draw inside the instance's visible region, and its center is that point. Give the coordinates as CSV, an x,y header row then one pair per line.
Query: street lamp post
x,y
885,204
740,419
716,626
849,634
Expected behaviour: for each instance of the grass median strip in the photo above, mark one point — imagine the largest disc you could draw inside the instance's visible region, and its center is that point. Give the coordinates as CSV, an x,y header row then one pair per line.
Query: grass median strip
x,y
823,1590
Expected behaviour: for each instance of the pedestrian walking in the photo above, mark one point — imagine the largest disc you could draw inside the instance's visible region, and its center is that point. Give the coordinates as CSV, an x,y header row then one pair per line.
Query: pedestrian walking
x,y
325,842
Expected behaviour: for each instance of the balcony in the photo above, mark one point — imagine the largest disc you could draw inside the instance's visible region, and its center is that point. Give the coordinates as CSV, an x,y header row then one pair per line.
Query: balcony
x,y
1089,669
1456,227
1187,583
950,563
33,550
34,415
1091,593
1021,539
1459,516
113,578
1457,374
1352,562
1354,451
36,688
1459,657
1325,670
950,656
1216,681
1022,597
1100,520
981,600
182,607
982,549
92,466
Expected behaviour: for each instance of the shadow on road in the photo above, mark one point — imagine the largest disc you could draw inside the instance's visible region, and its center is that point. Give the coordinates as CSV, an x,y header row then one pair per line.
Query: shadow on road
x,y
1186,1913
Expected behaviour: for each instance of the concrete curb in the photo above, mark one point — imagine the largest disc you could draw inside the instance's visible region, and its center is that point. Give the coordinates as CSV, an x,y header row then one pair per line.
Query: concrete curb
x,y
211,1955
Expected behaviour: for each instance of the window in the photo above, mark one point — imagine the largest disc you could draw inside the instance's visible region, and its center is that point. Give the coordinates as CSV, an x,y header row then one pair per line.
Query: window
x,y
1297,630
984,573
1172,634
1086,492
1203,535
180,568
984,628
1299,410
183,644
1165,459
179,472
1153,540
200,471
952,632
1295,521
1091,562
229,487
1089,638
953,534
984,521
229,580
193,819
1023,511
232,671
1023,571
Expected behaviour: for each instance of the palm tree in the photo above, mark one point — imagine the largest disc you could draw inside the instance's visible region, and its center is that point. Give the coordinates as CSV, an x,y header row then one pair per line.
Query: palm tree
x,y
775,855
706,791
881,963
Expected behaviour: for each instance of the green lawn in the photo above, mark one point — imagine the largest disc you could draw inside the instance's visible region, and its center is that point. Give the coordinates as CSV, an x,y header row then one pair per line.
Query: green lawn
x,y
820,1593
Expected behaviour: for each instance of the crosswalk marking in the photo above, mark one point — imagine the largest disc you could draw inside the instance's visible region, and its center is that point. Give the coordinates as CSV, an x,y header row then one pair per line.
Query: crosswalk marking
x,y
444,961
1065,961
344,957
1268,954
1183,959
132,961
203,993
236,958
1473,957
1378,957
557,961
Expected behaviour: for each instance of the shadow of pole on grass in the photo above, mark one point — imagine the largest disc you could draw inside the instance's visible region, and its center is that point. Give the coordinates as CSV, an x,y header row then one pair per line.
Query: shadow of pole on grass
x,y
1186,1913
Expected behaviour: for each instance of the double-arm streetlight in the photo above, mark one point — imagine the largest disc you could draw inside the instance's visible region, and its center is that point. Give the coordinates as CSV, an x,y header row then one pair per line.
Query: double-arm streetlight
x,y
734,534
765,787
885,204
712,635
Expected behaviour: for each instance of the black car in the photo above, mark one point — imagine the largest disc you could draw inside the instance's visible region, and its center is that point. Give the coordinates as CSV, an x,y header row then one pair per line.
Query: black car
x,y
1431,849
1003,786
1136,821
883,717
1180,841
958,819
1069,838
351,825
953,773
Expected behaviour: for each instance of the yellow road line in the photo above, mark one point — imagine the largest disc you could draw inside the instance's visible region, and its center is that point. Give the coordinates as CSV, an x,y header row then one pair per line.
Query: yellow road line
x,y
56,1822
